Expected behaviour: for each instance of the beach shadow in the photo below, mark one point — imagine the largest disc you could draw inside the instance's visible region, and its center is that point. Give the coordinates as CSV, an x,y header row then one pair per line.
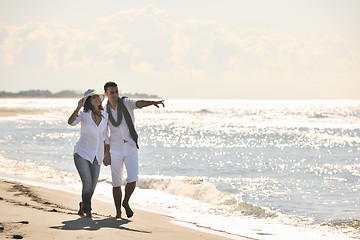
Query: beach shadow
x,y
83,223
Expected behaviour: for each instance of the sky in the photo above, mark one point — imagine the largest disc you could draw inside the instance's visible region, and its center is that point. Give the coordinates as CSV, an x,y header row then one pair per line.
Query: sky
x,y
195,49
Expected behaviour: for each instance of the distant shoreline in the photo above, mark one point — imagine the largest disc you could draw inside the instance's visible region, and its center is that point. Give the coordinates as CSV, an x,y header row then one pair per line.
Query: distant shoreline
x,y
12,113
62,94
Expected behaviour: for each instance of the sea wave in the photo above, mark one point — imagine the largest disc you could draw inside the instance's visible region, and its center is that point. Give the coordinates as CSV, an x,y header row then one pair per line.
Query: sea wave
x,y
194,188
205,201
224,204
204,110
31,170
200,189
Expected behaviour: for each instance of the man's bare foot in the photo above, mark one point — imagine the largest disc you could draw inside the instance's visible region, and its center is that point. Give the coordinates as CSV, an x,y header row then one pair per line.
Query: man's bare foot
x,y
129,212
118,215
88,215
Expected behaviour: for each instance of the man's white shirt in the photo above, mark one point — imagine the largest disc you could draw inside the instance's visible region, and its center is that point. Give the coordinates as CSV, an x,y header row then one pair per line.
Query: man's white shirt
x,y
120,133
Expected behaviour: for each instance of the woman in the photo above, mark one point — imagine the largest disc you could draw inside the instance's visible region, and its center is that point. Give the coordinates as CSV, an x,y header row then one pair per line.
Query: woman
x,y
89,150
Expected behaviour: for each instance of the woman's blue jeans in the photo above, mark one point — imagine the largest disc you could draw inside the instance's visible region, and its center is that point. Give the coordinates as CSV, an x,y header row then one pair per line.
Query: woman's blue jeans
x,y
89,174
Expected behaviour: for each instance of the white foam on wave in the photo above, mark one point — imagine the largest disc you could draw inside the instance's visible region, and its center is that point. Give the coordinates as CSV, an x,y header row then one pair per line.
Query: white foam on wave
x,y
30,170
183,198
203,191
189,187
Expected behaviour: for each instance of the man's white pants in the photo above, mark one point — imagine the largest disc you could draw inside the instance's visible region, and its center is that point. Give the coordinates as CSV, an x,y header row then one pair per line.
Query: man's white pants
x,y
124,154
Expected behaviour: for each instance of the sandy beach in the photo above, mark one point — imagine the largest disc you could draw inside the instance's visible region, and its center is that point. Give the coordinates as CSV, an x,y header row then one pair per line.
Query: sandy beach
x,y
32,212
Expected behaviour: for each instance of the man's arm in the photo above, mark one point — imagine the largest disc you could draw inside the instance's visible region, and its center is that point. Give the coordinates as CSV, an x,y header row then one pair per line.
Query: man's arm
x,y
146,103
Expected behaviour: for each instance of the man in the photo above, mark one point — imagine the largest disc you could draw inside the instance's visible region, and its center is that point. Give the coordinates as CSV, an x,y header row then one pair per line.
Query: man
x,y
123,148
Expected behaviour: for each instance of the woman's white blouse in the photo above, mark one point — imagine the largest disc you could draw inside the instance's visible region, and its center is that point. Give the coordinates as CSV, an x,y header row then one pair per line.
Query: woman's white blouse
x,y
92,137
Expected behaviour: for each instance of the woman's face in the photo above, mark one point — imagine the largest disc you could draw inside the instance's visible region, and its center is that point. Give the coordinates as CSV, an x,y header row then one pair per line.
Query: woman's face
x,y
95,101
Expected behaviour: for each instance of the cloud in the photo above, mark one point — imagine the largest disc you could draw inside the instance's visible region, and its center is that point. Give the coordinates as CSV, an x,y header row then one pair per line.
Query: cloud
x,y
147,30
10,45
145,42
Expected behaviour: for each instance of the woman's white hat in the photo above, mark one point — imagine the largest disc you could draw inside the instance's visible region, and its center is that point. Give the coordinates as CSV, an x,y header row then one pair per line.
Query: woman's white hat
x,y
92,92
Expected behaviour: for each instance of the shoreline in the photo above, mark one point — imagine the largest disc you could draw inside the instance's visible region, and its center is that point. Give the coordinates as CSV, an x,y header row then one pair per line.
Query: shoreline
x,y
37,212
12,113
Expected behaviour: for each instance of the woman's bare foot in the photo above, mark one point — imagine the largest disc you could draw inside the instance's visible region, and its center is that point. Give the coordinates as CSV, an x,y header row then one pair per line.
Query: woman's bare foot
x,y
81,209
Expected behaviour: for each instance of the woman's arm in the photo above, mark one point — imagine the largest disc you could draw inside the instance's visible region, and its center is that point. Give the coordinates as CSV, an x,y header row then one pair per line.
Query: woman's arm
x,y
73,116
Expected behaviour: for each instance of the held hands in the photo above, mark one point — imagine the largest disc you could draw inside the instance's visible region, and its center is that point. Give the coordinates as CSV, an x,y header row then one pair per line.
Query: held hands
x,y
107,159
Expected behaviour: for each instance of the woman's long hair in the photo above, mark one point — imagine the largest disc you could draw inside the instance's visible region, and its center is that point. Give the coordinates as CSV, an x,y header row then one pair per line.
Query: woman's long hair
x,y
88,106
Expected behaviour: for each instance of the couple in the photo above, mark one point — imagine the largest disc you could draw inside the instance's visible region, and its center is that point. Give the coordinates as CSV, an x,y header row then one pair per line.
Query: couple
x,y
107,137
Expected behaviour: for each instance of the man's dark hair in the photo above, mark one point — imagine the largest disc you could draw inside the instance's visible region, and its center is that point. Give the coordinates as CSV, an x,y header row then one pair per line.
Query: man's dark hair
x,y
109,84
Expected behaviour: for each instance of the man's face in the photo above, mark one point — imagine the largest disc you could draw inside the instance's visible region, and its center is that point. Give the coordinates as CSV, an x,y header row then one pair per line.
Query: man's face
x,y
112,94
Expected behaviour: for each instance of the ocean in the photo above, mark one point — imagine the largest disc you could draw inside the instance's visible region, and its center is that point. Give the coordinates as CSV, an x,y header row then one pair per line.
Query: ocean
x,y
264,169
